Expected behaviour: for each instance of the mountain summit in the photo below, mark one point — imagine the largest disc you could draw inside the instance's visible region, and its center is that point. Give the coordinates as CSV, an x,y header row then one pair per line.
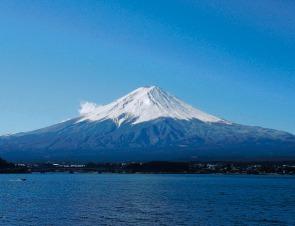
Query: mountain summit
x,y
146,104
147,124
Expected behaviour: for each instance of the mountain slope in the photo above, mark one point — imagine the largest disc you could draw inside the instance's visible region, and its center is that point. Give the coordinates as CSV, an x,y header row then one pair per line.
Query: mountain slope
x,y
148,124
146,104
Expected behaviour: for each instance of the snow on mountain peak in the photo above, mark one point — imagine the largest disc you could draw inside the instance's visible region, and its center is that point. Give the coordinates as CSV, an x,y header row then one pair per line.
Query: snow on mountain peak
x,y
144,104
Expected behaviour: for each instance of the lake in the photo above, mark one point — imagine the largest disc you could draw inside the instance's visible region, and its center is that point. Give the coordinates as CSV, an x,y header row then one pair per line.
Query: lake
x,y
146,199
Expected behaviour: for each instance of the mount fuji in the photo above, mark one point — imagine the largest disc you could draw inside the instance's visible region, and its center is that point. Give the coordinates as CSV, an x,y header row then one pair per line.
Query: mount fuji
x,y
147,124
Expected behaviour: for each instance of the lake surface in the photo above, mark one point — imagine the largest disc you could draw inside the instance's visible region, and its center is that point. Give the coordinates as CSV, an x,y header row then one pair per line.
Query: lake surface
x,y
135,199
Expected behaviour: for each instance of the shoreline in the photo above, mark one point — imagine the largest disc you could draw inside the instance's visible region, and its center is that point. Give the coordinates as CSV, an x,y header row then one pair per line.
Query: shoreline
x,y
223,168
143,173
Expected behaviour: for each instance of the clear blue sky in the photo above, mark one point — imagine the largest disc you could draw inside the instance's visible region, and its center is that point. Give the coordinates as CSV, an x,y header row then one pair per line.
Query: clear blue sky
x,y
234,59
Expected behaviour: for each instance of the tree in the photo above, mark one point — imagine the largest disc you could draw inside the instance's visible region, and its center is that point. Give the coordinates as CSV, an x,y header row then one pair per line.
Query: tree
x,y
4,164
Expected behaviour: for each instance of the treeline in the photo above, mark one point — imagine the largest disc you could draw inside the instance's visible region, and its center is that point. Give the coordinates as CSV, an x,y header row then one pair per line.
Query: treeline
x,y
5,164
197,167
8,167
284,168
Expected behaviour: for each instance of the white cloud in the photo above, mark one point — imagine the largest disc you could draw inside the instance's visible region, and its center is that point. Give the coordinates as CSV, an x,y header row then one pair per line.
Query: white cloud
x,y
87,107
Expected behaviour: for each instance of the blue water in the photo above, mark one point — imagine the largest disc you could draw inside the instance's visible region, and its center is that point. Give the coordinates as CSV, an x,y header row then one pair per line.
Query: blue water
x,y
116,199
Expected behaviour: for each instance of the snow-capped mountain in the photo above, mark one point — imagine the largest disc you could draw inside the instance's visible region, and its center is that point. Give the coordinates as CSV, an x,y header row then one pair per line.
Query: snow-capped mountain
x,y
147,124
146,104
